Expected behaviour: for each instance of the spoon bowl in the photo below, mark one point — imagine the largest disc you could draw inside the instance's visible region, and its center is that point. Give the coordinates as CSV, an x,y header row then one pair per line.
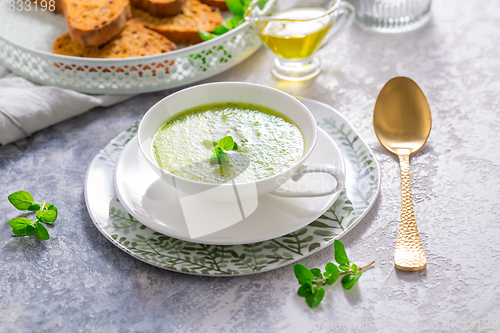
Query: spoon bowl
x,y
402,117
402,122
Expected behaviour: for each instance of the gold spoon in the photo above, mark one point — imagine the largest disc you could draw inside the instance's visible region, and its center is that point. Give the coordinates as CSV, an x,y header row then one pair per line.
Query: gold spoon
x,y
402,123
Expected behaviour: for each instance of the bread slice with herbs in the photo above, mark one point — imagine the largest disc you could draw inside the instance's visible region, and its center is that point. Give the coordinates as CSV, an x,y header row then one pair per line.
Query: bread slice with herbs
x,y
95,22
182,28
160,8
221,4
134,41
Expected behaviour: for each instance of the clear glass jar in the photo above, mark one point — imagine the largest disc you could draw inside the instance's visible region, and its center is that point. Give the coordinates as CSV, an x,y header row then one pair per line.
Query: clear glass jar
x,y
392,16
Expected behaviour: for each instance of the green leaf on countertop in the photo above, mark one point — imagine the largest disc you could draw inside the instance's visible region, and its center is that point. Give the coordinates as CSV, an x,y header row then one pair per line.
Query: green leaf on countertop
x,y
34,207
40,232
22,200
349,280
344,267
333,271
317,273
23,232
313,300
304,290
303,274
19,223
47,216
340,254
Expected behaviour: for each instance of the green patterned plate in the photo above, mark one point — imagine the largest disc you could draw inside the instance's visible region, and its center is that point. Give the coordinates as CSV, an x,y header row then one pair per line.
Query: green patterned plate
x,y
361,189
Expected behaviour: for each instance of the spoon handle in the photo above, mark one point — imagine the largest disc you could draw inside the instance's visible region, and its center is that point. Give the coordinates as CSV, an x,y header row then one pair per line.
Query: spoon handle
x,y
409,254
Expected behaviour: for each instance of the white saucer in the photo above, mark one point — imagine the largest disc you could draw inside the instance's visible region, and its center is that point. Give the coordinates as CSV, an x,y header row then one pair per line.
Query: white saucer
x,y
155,203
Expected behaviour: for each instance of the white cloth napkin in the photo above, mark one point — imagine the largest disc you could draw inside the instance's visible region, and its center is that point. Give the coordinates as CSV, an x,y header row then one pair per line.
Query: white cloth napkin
x,y
26,107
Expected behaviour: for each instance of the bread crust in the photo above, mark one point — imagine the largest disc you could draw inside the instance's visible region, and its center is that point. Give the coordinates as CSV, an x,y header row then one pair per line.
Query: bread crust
x,y
134,41
99,29
221,4
182,28
160,8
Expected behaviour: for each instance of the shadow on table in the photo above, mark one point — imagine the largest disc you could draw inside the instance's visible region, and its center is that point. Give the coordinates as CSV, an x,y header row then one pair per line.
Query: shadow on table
x,y
28,245
411,276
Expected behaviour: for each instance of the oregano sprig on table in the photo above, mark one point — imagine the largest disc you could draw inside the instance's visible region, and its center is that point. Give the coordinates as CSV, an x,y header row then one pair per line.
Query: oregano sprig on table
x,y
312,280
22,226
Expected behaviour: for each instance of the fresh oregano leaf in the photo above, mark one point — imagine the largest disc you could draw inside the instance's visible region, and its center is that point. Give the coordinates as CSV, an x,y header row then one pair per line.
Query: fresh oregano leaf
x,y
34,207
314,289
334,273
219,156
214,159
344,267
235,147
236,6
47,216
19,223
331,268
223,158
221,29
51,207
304,291
340,255
233,22
317,273
40,232
206,35
22,200
23,232
226,143
209,144
303,274
354,268
349,280
313,300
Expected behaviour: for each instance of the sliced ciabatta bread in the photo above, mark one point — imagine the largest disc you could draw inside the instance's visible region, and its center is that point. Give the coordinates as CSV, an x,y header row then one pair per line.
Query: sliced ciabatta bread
x,y
182,28
95,22
133,41
221,4
160,8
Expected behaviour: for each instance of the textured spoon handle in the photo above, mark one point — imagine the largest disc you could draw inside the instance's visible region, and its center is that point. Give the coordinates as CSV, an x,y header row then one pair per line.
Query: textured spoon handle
x,y
410,254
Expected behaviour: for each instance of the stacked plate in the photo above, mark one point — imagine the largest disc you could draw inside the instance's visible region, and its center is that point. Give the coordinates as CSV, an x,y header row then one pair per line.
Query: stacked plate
x,y
143,216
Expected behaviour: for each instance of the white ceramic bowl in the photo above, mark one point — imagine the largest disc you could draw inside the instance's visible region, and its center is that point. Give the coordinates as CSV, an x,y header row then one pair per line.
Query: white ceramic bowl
x,y
236,92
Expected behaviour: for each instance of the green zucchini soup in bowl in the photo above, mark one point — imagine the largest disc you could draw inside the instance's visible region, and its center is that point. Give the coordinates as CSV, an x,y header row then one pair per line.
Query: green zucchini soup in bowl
x,y
266,143
230,140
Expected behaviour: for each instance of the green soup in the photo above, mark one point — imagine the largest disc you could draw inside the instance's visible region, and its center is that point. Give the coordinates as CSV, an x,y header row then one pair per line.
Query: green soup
x,y
268,143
